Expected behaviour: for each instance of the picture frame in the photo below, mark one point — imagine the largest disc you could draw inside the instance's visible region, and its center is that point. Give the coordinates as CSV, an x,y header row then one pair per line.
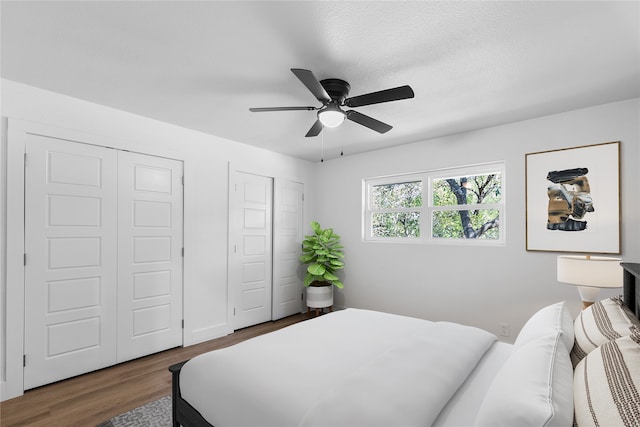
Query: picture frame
x,y
573,199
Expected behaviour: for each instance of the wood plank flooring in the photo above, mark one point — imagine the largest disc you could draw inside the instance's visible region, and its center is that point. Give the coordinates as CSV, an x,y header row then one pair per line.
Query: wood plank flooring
x,y
89,399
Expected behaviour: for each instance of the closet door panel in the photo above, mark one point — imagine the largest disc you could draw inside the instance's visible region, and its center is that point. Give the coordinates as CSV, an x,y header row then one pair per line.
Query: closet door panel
x,y
149,254
70,271
287,243
251,252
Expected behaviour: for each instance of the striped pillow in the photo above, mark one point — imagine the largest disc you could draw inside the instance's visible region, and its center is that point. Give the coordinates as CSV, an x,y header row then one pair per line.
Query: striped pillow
x,y
599,323
606,384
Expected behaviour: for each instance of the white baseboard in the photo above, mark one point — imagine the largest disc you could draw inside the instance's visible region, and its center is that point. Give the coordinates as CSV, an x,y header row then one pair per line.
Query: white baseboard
x,y
6,394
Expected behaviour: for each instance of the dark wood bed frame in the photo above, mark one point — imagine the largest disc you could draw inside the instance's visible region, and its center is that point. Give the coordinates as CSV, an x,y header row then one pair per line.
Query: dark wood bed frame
x,y
183,414
187,416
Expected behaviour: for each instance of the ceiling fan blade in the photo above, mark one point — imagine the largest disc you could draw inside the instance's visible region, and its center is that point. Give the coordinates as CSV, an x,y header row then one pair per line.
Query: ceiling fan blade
x,y
263,109
367,121
315,129
309,80
395,94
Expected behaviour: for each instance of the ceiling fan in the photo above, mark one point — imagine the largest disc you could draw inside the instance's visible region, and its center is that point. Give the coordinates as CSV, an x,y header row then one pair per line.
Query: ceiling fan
x,y
332,93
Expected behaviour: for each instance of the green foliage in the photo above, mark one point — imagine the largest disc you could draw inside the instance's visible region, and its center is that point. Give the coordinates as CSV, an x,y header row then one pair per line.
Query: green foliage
x,y
478,189
394,196
323,252
468,190
454,223
448,224
396,224
397,195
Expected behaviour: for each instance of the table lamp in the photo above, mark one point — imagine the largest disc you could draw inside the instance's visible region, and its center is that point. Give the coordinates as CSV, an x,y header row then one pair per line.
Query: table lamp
x,y
590,273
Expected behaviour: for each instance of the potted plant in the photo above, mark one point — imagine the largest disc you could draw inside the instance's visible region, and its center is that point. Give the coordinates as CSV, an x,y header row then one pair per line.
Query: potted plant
x,y
323,252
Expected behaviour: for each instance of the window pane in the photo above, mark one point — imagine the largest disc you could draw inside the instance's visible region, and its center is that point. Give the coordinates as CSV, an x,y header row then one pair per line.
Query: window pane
x,y
397,195
395,224
484,224
475,189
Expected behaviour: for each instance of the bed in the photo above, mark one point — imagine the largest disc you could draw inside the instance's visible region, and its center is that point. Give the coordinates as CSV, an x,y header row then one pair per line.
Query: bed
x,y
361,368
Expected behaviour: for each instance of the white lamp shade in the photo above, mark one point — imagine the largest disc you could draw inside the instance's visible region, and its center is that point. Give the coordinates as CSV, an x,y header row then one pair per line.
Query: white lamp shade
x,y
597,272
331,117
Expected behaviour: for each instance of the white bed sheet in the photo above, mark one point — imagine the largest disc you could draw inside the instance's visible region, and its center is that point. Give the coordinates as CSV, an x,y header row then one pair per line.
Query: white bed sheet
x,y
248,384
463,407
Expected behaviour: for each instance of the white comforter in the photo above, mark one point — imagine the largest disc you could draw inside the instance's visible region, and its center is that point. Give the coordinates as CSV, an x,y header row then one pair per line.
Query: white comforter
x,y
349,368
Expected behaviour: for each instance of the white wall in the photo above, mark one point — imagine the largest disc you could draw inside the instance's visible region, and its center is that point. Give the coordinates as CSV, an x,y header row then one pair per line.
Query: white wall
x,y
206,163
480,286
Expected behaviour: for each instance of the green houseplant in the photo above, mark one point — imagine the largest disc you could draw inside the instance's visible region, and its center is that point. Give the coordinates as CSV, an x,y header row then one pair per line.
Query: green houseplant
x,y
323,252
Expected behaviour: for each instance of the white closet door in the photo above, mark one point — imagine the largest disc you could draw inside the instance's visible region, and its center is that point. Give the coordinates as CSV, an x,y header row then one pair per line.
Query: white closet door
x,y
287,242
149,254
250,260
70,272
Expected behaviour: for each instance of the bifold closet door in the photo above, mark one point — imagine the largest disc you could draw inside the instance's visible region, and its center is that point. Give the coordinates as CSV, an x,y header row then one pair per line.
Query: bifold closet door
x,y
250,257
103,257
287,248
149,254
71,259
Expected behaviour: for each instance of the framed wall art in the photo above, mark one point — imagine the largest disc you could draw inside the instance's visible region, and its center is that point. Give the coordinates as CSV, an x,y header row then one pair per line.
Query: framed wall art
x,y
573,199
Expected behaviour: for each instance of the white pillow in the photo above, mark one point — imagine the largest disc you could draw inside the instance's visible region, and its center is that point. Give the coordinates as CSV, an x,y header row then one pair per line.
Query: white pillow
x,y
607,382
554,317
534,388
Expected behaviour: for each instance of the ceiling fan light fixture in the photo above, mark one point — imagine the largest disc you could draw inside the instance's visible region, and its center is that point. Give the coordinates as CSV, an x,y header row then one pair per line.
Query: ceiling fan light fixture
x,y
331,116
332,93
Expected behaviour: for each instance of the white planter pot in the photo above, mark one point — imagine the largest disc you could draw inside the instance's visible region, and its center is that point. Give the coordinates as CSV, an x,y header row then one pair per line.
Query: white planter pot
x,y
319,296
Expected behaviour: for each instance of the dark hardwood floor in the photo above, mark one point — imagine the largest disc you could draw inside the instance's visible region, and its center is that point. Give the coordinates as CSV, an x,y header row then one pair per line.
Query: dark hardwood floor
x,y
89,399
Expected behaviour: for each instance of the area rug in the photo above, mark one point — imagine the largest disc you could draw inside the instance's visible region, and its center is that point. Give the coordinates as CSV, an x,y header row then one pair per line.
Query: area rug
x,y
153,414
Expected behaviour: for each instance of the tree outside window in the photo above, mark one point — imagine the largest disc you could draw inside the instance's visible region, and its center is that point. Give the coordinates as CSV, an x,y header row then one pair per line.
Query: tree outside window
x,y
460,207
464,204
395,205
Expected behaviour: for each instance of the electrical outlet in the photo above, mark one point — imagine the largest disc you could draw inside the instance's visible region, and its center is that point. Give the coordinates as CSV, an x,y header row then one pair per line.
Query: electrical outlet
x,y
504,329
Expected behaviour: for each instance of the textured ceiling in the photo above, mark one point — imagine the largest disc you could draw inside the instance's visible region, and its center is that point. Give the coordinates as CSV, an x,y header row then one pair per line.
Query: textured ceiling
x,y
202,64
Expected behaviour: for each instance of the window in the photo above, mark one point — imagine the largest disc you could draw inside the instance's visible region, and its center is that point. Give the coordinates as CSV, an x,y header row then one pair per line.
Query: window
x,y
396,209
453,205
